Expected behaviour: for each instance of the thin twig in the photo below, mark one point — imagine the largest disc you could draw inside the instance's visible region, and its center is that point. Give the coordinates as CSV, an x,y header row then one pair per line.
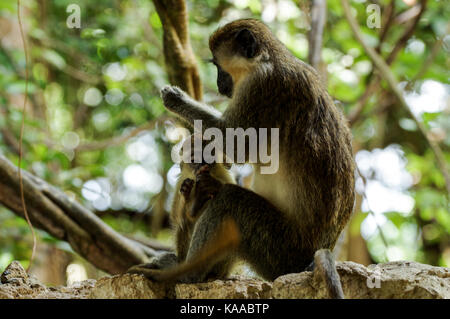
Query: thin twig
x,y
356,111
18,71
407,15
318,18
429,60
118,140
364,195
374,80
389,77
22,195
389,14
407,33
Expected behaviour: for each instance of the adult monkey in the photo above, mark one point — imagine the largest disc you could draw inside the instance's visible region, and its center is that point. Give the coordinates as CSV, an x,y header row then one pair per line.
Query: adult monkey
x,y
288,216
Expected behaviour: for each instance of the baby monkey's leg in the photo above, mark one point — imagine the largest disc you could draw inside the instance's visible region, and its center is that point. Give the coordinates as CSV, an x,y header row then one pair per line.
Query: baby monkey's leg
x,y
169,259
209,261
206,187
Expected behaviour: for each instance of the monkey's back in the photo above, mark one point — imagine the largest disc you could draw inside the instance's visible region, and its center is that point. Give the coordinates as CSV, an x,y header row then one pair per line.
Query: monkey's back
x,y
316,161
318,144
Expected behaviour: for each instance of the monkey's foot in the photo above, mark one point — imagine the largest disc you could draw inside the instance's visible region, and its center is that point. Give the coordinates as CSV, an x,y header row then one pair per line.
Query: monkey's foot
x,y
173,97
206,188
159,275
165,260
149,273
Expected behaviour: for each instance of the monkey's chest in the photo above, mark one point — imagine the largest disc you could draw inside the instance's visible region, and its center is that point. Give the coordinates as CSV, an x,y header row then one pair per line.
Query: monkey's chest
x,y
272,187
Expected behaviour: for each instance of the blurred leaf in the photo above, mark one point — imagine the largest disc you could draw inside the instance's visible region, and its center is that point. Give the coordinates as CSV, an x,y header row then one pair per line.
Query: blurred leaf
x,y
54,58
89,33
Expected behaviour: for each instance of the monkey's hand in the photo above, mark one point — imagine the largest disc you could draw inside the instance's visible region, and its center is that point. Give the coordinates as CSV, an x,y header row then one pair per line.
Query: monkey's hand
x,y
186,188
189,109
206,188
174,98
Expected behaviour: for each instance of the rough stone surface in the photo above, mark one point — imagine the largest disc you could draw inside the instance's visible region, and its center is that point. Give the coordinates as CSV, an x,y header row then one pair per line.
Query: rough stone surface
x,y
235,288
394,280
130,286
400,280
14,273
16,284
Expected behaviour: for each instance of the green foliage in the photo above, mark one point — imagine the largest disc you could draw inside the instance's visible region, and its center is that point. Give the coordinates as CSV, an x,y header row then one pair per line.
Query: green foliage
x,y
103,80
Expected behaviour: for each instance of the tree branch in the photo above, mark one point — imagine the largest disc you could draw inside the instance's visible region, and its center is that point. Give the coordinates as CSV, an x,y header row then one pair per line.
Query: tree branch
x,y
118,140
400,44
389,77
356,111
180,61
374,82
389,14
318,19
65,219
429,60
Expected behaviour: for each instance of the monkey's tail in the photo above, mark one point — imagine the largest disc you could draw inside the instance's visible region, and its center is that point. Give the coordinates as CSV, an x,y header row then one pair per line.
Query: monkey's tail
x,y
225,239
325,266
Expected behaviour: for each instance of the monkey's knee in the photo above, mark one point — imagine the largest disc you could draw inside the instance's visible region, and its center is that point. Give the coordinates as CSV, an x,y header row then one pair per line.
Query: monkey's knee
x,y
213,243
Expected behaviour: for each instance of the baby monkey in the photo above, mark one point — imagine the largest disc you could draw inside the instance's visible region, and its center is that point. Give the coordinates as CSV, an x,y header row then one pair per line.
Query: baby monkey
x,y
197,184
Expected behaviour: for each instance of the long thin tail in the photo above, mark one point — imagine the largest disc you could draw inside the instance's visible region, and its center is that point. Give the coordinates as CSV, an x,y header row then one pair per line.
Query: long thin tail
x,y
325,267
226,238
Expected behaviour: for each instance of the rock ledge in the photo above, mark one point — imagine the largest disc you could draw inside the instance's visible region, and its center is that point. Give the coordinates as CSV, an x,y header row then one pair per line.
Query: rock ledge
x,y
390,280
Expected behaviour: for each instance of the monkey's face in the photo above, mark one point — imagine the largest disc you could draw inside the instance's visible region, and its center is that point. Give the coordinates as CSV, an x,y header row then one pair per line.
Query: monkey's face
x,y
224,82
235,57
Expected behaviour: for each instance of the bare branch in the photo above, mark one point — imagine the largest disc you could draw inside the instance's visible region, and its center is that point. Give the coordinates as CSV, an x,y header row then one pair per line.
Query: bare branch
x,y
118,140
429,60
409,14
356,112
318,19
387,23
180,61
374,80
389,77
65,219
400,44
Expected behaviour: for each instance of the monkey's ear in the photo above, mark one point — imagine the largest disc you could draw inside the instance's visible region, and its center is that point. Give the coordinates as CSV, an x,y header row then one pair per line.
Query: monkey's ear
x,y
247,43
